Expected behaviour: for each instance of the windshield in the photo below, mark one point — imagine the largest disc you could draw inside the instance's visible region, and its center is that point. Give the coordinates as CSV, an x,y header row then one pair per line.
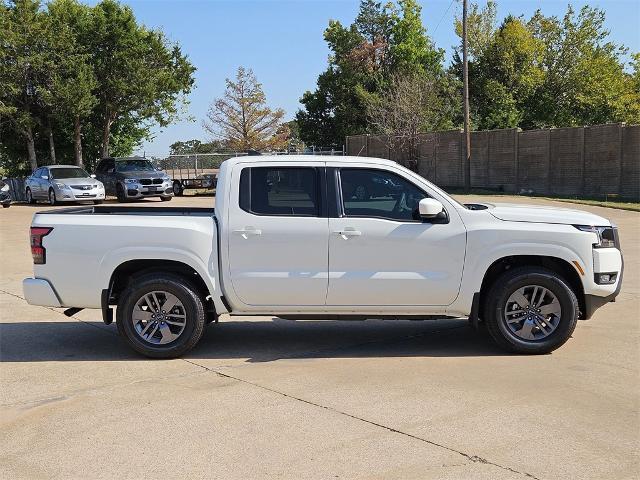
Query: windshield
x,y
71,172
134,166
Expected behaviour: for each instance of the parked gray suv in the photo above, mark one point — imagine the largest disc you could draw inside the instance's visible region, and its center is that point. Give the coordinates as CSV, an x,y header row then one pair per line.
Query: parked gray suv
x,y
133,178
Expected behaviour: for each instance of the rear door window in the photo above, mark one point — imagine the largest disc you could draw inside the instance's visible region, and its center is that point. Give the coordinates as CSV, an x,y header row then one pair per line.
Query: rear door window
x,y
285,191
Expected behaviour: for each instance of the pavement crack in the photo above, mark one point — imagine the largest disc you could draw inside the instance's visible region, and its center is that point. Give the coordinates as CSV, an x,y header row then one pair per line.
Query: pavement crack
x,y
469,457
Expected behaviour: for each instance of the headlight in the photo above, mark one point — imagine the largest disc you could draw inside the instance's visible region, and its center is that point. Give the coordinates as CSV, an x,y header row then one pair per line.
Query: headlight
x,y
606,235
61,185
130,180
166,178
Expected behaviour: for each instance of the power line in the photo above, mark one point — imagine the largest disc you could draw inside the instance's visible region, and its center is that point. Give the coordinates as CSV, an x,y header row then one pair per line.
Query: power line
x,y
443,15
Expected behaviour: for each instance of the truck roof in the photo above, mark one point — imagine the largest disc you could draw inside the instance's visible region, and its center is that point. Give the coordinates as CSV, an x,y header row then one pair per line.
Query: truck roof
x,y
310,158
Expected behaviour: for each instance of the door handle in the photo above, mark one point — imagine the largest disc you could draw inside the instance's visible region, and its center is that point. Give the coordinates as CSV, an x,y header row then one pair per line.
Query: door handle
x,y
245,232
348,233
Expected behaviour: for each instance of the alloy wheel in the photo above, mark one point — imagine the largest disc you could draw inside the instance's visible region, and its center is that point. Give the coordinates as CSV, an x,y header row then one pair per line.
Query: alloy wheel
x,y
532,312
159,317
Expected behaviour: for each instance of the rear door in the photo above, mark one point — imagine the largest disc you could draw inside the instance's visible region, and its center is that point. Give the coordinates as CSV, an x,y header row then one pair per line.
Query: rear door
x,y
278,234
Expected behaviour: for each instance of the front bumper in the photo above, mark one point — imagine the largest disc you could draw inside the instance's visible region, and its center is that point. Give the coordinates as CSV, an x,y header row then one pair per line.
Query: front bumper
x,y
606,260
38,291
74,195
136,190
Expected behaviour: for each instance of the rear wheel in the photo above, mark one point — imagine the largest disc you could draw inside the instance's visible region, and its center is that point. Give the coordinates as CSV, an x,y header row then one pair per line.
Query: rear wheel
x,y
531,310
52,197
161,315
29,195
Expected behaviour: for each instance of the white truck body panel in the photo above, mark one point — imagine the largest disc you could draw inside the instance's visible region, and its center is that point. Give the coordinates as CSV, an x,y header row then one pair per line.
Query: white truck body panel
x,y
292,264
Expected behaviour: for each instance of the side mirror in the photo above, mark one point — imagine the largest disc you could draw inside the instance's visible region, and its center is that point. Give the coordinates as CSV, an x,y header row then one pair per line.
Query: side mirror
x,y
429,208
45,177
93,175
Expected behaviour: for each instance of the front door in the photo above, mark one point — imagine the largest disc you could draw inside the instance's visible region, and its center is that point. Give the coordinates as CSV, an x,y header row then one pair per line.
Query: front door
x,y
382,254
278,234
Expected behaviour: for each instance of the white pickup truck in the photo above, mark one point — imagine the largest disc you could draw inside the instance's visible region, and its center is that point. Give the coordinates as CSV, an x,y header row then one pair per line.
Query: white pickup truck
x,y
317,237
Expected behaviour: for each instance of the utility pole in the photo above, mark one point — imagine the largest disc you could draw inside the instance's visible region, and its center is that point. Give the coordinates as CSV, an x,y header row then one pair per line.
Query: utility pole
x,y
465,94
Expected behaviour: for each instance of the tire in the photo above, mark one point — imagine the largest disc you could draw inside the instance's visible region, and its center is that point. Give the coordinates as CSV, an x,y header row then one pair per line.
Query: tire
x,y
6,205
178,191
189,304
120,195
29,195
97,202
525,331
166,199
52,197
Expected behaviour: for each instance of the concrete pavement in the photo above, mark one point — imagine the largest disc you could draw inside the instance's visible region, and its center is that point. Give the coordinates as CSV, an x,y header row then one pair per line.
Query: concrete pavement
x,y
272,398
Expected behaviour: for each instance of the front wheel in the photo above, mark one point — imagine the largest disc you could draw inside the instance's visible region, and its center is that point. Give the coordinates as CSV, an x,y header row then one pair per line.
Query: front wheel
x,y
531,310
6,205
161,315
178,190
120,195
166,199
52,197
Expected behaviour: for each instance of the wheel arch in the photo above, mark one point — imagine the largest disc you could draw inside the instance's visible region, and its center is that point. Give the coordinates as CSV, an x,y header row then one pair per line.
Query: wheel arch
x,y
127,272
557,265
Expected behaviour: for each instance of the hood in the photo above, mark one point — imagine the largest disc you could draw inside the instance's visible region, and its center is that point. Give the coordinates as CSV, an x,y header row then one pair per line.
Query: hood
x,y
77,181
142,174
541,214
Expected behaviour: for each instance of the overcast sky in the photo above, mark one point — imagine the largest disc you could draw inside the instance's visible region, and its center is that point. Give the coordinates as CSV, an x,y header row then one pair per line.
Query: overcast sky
x,y
282,42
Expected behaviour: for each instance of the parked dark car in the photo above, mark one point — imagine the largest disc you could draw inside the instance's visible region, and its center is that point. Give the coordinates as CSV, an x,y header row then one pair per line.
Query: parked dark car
x,y
133,178
5,195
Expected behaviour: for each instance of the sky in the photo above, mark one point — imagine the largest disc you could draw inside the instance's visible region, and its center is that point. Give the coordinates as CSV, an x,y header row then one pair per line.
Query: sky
x,y
282,41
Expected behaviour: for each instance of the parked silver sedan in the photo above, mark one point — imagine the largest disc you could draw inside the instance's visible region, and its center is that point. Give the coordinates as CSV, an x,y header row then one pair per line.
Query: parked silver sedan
x,y
63,183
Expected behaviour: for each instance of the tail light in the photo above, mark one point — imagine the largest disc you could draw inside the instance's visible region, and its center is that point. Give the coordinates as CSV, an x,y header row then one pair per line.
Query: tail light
x,y
38,252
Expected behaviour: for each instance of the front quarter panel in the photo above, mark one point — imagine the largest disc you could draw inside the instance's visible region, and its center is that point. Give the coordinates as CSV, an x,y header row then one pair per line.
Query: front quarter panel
x,y
491,239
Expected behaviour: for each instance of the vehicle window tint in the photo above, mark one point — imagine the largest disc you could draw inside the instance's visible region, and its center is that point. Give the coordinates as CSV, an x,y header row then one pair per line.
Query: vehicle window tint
x,y
279,191
380,194
105,165
37,173
45,173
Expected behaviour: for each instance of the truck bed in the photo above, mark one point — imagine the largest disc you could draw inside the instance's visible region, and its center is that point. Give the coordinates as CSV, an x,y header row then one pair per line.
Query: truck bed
x,y
145,211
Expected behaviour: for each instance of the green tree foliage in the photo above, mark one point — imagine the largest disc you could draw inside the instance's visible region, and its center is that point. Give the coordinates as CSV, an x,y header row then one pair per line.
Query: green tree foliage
x,y
547,71
80,82
384,40
195,146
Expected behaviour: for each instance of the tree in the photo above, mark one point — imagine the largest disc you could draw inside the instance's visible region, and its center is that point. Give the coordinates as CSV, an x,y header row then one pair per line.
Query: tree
x,y
481,25
242,119
140,73
195,146
24,66
73,79
585,80
383,40
412,104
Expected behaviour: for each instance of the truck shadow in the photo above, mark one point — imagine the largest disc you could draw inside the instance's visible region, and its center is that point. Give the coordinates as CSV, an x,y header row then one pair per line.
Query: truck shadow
x,y
254,341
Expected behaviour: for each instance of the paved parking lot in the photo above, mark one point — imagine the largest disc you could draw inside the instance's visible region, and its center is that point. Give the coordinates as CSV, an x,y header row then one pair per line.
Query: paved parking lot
x,y
271,398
